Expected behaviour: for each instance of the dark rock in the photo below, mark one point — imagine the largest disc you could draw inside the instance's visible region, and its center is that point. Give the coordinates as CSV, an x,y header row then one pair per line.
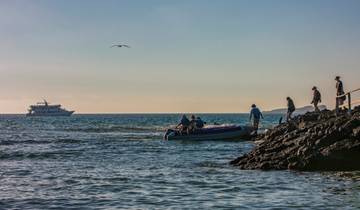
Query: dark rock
x,y
314,141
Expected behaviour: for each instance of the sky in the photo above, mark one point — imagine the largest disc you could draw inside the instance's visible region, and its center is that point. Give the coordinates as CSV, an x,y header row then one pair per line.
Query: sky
x,y
206,56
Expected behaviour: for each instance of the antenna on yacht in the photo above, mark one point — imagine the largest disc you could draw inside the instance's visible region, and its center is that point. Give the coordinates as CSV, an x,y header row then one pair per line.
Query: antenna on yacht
x,y
45,102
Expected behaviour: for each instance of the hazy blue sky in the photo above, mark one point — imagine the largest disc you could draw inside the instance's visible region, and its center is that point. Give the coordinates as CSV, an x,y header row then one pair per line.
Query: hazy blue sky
x,y
186,56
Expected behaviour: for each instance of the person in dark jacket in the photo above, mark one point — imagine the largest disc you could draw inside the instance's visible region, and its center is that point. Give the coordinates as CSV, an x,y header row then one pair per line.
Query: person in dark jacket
x,y
192,125
339,91
195,124
199,123
255,114
184,124
316,98
291,108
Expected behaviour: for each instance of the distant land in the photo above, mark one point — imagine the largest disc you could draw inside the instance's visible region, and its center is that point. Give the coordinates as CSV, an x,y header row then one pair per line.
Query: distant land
x,y
298,111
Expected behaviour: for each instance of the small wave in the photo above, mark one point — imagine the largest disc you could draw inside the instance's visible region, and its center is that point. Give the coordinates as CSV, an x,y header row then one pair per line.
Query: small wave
x,y
116,129
15,142
209,164
38,155
67,141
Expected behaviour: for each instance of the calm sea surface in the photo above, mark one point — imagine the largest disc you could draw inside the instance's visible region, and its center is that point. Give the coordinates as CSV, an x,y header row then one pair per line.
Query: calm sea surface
x,y
121,162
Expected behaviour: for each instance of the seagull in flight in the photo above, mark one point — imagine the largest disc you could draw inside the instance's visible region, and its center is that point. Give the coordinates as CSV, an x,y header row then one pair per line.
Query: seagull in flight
x,y
120,45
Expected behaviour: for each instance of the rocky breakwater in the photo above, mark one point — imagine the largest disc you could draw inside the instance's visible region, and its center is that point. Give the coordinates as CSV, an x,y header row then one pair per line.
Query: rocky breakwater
x,y
313,141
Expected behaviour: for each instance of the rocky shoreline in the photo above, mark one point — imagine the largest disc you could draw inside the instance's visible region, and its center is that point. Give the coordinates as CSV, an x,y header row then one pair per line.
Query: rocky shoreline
x,y
313,141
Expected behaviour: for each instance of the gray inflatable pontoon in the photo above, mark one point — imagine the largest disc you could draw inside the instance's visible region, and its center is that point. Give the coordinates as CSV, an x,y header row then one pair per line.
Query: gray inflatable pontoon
x,y
232,132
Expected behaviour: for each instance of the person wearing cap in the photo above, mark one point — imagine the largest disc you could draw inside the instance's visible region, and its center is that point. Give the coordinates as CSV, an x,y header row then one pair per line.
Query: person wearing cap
x,y
291,108
316,98
339,91
255,114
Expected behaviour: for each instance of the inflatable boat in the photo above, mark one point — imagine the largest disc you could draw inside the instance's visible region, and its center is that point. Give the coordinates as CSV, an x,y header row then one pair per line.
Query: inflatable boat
x,y
228,132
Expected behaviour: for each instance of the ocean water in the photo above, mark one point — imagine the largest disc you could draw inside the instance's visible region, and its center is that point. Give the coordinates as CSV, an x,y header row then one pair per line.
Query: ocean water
x,y
122,162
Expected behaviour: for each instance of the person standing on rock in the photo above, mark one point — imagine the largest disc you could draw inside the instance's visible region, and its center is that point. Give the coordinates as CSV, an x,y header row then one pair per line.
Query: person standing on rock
x,y
316,98
291,108
339,92
255,114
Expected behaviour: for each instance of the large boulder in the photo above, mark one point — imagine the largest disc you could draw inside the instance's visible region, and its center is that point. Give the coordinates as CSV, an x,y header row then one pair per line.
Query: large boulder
x,y
314,141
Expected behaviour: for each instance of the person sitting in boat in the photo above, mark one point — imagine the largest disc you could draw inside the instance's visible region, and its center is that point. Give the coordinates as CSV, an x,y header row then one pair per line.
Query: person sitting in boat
x,y
195,124
184,124
199,123
192,126
255,114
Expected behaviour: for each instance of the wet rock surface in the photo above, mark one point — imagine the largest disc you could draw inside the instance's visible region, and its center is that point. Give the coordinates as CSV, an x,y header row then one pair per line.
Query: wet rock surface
x,y
314,141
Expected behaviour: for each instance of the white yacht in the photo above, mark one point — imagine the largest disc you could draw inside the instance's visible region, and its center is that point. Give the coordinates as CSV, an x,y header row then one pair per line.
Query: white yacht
x,y
44,109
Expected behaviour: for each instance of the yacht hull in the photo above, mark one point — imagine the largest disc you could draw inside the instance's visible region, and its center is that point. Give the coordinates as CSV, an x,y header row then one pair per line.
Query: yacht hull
x,y
56,114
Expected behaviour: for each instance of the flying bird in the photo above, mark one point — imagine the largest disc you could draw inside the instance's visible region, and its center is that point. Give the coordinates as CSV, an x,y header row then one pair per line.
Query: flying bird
x,y
120,45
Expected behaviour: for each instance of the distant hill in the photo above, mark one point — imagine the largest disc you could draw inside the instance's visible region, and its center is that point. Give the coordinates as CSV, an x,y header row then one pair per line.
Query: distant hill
x,y
298,111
